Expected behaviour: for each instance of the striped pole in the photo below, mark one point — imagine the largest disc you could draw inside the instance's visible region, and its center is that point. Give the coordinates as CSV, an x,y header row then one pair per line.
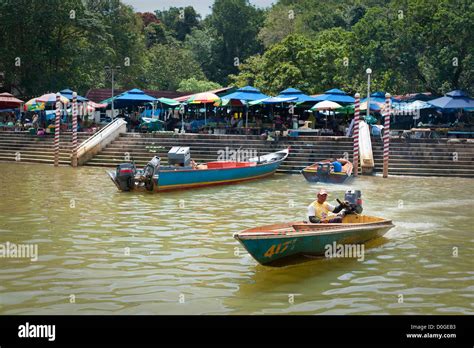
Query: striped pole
x,y
386,134
74,129
356,134
56,130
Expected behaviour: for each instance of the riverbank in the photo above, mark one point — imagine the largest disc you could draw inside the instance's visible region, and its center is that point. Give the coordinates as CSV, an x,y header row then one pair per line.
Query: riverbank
x,y
412,157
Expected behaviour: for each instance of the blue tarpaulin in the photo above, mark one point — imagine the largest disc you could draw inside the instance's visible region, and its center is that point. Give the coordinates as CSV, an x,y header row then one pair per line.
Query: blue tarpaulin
x,y
68,94
335,95
293,92
132,98
274,100
247,93
456,99
379,97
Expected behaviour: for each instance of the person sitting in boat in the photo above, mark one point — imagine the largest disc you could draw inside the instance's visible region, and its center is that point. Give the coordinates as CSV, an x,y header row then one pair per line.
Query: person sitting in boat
x,y
321,211
336,164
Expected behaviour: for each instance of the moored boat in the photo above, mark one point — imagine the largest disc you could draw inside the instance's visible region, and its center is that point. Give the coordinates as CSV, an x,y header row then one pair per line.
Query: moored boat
x,y
279,242
323,171
182,173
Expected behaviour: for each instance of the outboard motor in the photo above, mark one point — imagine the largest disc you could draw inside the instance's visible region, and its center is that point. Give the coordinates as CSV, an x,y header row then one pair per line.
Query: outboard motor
x,y
324,169
149,171
354,199
125,176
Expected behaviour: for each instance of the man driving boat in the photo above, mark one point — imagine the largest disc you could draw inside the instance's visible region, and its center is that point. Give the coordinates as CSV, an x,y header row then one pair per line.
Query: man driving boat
x,y
321,211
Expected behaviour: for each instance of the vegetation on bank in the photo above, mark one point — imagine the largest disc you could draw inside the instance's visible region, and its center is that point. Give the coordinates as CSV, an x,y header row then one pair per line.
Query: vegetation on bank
x,y
411,45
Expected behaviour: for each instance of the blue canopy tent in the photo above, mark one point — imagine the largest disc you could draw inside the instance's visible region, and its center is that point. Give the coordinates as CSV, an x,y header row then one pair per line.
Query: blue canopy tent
x,y
245,95
456,99
273,100
379,97
133,97
68,94
335,95
296,93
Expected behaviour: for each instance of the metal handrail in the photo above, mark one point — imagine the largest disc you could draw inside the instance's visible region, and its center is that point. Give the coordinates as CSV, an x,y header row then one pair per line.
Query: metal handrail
x,y
100,134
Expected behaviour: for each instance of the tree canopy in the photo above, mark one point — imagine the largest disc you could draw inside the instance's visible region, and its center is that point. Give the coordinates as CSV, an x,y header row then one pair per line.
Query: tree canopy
x,y
410,45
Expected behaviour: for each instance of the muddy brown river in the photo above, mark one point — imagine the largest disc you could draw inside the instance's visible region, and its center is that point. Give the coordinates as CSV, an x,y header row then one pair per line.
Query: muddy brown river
x,y
105,252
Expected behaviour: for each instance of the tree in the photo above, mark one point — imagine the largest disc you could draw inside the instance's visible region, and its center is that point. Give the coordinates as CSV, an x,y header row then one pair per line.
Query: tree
x,y
279,23
236,24
203,45
194,85
289,63
168,65
155,34
43,53
179,22
250,73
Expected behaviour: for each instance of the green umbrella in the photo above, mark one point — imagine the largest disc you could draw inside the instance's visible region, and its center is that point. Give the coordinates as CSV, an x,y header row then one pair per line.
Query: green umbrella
x,y
349,109
168,101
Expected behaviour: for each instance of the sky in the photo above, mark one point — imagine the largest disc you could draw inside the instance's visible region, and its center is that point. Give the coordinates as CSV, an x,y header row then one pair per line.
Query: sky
x,y
201,6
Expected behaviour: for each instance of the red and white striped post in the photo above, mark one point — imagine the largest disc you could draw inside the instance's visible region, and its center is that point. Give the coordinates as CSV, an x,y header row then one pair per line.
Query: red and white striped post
x,y
386,134
56,129
74,129
356,134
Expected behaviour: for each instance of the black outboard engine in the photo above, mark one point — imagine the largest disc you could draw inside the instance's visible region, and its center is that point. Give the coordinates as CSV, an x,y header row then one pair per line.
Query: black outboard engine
x,y
149,171
324,169
354,200
125,176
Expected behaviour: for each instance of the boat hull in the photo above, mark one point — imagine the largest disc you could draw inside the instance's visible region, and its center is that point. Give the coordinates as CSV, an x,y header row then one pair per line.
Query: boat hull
x,y
268,245
167,180
208,177
312,174
333,178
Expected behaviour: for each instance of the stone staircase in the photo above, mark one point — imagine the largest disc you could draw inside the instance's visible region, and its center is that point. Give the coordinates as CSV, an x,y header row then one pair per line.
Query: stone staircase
x,y
141,147
416,157
427,157
34,149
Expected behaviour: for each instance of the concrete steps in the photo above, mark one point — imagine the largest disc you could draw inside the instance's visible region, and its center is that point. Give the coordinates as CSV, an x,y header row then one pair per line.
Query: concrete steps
x,y
417,157
426,158
34,149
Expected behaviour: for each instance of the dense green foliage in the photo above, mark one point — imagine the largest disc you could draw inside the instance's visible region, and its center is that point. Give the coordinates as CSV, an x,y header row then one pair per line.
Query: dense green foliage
x,y
411,45
194,85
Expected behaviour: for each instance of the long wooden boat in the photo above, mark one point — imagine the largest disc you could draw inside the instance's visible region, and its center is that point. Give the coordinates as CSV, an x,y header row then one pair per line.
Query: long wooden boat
x,y
322,172
280,242
157,178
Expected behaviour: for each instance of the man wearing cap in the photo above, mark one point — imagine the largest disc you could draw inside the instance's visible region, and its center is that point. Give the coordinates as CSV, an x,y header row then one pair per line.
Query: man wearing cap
x,y
321,211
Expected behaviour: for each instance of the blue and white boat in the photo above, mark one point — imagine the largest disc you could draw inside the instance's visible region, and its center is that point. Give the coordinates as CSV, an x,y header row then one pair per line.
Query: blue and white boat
x,y
182,173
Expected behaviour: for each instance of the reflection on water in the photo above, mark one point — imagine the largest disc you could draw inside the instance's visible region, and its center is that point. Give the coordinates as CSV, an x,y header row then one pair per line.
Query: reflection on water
x,y
105,252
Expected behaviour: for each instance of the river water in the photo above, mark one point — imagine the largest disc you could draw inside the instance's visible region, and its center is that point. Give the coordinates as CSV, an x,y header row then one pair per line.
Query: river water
x,y
105,252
